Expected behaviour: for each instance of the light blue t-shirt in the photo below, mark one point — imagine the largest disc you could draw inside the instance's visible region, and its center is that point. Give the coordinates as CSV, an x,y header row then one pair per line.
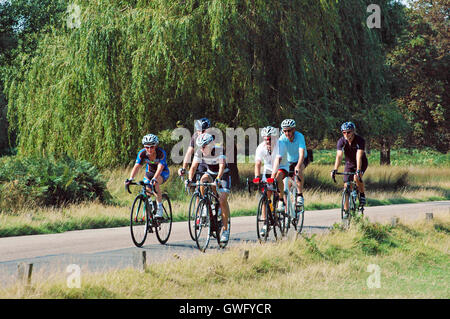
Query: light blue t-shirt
x,y
289,150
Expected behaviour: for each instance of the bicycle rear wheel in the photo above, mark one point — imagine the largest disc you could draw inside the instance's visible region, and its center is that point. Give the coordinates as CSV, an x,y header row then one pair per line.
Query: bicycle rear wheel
x,y
164,225
202,225
195,199
138,221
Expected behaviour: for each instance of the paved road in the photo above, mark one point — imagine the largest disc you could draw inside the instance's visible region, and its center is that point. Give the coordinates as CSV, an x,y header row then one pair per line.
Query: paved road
x,y
111,248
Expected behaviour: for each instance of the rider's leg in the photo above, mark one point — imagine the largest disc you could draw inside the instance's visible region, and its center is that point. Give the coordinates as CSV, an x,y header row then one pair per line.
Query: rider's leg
x,y
223,200
346,200
280,179
206,178
362,199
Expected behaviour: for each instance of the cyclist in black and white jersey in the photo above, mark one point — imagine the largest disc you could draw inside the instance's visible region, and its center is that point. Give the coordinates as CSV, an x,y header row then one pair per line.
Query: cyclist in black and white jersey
x,y
213,156
201,126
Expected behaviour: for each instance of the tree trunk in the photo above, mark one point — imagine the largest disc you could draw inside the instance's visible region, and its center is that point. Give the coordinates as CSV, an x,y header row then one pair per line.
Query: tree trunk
x,y
385,153
232,165
367,148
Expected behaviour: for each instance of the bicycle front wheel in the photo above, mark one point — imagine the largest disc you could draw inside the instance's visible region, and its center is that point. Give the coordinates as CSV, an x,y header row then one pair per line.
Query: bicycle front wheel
x,y
345,199
195,199
164,225
138,221
202,225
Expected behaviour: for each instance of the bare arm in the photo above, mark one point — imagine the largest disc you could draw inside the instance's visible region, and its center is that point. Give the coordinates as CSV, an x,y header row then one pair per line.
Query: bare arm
x,y
339,156
188,156
135,170
193,169
257,168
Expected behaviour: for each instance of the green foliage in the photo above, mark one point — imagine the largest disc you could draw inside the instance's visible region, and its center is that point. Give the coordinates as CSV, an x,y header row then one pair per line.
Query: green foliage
x,y
375,237
399,157
31,181
135,67
420,64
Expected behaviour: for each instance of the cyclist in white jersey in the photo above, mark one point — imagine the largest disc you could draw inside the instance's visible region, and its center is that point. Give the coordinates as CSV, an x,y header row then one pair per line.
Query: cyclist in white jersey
x,y
292,158
266,152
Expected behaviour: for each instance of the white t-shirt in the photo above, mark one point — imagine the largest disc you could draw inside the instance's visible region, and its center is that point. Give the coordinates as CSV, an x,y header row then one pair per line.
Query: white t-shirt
x,y
262,154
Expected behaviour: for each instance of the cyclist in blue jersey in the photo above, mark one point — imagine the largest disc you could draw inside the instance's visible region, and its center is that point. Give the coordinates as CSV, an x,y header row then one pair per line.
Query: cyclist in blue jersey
x,y
157,171
292,158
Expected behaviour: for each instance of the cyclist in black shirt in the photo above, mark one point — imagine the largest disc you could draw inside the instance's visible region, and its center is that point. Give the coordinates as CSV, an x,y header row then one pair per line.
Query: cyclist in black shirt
x,y
352,145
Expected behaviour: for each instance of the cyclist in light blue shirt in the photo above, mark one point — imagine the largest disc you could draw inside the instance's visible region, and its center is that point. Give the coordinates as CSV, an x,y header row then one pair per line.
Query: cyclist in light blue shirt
x,y
292,158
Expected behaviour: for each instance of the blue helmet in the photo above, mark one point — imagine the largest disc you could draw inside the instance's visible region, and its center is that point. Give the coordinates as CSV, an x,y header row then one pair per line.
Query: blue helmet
x,y
348,126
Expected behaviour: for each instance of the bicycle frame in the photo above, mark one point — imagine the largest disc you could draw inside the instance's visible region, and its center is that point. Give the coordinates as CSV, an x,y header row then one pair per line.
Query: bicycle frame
x,y
350,187
146,197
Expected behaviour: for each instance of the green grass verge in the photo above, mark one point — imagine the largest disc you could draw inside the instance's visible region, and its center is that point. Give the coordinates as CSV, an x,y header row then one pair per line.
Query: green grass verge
x,y
369,260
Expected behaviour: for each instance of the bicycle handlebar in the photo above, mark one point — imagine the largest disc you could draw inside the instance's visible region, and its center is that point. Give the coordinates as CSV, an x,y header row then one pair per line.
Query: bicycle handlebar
x,y
346,173
141,183
261,182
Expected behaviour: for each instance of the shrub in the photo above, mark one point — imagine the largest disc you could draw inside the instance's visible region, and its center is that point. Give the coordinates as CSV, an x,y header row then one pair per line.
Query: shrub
x,y
31,181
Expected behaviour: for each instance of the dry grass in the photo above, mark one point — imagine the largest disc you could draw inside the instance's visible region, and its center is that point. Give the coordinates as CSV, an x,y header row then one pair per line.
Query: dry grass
x,y
330,265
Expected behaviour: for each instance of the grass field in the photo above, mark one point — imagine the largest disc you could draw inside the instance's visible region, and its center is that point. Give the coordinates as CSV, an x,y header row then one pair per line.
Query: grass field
x,y
369,260
385,185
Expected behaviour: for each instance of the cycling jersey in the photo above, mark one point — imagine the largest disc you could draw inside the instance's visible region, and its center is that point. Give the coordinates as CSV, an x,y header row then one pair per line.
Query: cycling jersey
x,y
151,167
212,162
288,151
262,154
350,151
201,167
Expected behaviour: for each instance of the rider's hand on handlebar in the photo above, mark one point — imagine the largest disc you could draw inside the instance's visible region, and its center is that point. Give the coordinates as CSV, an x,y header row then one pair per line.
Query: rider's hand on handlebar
x,y
187,183
181,172
333,173
128,181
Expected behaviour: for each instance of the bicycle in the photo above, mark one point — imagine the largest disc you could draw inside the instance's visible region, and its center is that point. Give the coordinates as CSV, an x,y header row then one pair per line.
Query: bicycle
x,y
143,218
193,204
273,218
294,213
350,194
208,218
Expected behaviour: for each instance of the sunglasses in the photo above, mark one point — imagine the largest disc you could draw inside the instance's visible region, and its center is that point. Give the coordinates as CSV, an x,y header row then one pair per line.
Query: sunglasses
x,y
347,132
290,130
150,146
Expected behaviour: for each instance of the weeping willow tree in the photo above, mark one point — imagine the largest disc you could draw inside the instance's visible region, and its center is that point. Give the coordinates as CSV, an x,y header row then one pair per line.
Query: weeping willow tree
x,y
134,67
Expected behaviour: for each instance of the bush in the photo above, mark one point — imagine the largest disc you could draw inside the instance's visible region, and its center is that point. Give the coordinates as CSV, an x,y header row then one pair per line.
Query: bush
x,y
35,181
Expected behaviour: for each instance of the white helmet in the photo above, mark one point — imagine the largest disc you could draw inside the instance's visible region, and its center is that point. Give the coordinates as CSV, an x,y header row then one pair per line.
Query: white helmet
x,y
204,139
150,139
268,131
288,123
